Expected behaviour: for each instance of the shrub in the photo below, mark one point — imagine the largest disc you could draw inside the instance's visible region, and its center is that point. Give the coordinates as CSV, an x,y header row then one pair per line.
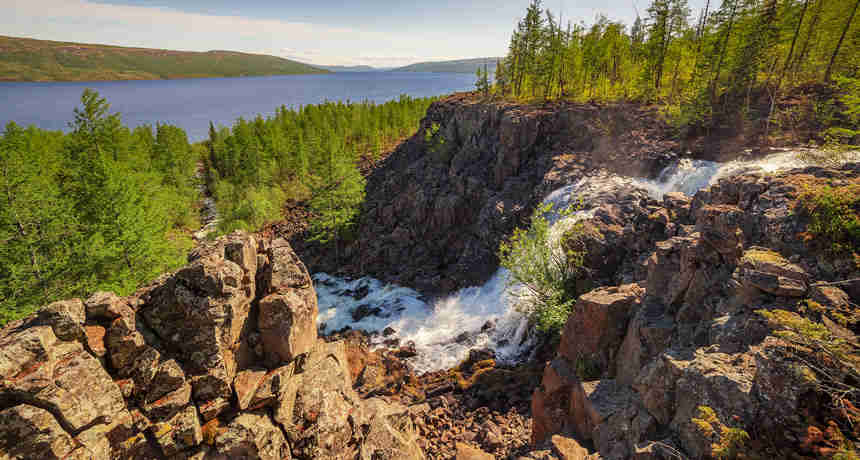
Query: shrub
x,y
833,217
543,273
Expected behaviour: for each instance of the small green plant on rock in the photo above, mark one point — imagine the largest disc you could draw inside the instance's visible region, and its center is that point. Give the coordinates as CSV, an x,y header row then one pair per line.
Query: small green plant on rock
x,y
728,442
544,270
833,217
824,360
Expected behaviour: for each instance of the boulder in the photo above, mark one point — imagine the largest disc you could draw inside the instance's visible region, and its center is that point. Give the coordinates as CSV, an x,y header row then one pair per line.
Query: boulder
x,y
720,226
40,370
106,306
66,318
287,324
180,432
770,272
28,432
252,436
202,311
597,325
467,452
246,384
568,449
323,417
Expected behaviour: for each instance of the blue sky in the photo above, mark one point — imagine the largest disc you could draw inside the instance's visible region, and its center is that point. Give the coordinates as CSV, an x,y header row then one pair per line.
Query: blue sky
x,y
371,32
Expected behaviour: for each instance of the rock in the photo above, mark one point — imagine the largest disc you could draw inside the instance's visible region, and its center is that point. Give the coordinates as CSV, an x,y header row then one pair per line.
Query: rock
x,y
213,408
62,377
656,450
66,318
648,334
771,273
287,325
674,386
96,341
568,449
363,311
124,343
106,306
467,452
271,386
168,378
406,351
202,311
27,432
252,436
323,416
720,226
246,384
179,433
391,434
168,405
597,325
830,296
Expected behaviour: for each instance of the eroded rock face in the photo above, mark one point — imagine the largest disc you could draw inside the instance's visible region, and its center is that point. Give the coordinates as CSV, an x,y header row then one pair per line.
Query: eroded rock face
x,y
438,207
691,353
189,367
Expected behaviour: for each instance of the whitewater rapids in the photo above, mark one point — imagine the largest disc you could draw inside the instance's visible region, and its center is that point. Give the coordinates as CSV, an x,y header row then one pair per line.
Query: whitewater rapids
x,y
484,316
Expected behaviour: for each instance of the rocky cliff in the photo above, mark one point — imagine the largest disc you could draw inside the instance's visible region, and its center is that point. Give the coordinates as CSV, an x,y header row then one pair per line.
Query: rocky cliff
x,y
735,334
219,360
438,206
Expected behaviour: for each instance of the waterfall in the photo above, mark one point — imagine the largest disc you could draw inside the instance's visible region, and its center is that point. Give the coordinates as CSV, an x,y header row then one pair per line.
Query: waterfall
x,y
484,316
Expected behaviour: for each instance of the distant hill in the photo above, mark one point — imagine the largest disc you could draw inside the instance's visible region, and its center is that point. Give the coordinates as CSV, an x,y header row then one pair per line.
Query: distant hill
x,y
25,59
458,66
348,68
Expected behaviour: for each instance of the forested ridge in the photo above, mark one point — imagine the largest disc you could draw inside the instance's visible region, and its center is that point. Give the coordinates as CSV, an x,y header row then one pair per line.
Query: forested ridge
x,y
309,154
735,58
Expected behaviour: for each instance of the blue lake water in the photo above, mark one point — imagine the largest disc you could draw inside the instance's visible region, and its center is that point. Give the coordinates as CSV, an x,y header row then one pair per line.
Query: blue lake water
x,y
192,104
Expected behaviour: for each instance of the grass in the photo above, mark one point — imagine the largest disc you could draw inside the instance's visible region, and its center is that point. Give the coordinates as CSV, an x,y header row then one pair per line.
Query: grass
x,y
24,59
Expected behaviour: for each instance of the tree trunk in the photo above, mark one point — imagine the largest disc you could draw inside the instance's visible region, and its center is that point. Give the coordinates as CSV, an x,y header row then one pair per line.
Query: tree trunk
x,y
723,53
839,44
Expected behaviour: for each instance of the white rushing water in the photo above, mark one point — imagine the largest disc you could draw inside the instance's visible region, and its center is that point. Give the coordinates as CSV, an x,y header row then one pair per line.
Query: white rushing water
x,y
484,317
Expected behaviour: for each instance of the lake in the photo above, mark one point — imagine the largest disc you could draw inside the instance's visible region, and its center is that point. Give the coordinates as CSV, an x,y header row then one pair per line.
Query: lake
x,y
191,104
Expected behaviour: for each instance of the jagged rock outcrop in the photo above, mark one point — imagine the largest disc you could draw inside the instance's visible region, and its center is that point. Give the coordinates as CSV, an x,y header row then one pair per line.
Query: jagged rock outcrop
x,y
219,360
667,365
437,208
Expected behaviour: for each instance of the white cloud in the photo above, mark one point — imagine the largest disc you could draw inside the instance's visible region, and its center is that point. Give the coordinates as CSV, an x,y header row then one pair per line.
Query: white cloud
x,y
156,27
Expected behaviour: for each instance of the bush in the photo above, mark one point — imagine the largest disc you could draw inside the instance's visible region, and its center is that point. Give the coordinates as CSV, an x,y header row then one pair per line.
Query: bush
x,y
833,214
543,275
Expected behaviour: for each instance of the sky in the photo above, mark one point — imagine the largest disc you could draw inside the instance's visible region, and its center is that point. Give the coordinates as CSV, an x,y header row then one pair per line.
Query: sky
x,y
380,33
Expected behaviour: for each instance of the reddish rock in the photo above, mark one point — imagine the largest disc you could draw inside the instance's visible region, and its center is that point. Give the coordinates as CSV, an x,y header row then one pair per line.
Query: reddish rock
x,y
597,325
96,340
246,384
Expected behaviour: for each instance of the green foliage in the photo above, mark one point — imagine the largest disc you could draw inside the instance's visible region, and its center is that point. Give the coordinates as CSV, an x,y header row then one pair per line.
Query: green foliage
x,y
848,113
482,84
24,59
310,154
703,72
827,362
544,267
728,442
96,209
336,196
834,215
